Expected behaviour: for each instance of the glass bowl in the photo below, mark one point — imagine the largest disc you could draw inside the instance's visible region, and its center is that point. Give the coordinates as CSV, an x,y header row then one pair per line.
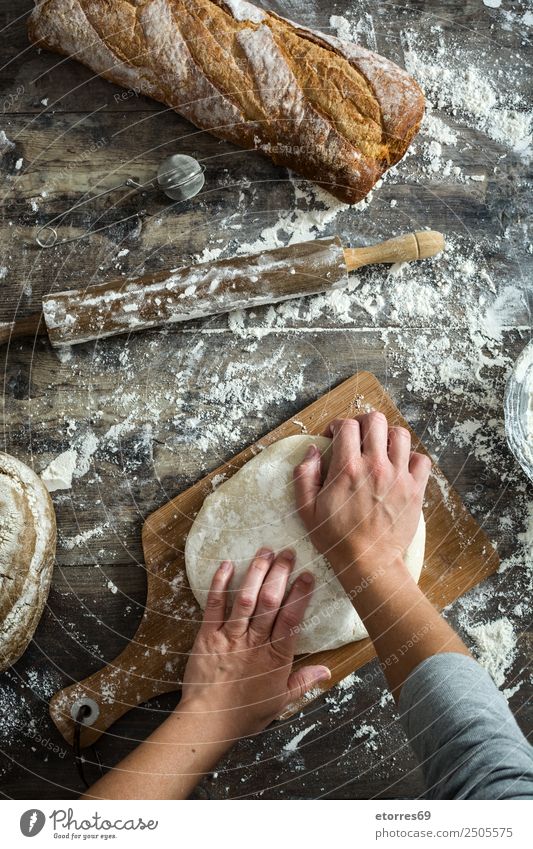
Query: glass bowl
x,y
518,410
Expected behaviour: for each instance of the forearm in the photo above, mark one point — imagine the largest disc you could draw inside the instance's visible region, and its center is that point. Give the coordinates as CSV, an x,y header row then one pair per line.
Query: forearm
x,y
170,763
403,625
463,733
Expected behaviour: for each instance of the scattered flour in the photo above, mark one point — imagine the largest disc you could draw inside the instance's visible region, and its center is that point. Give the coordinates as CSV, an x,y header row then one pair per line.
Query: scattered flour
x,y
235,388
348,682
443,296
58,473
370,735
359,28
454,82
85,447
72,463
24,698
495,644
342,694
311,215
293,744
69,543
217,480
5,143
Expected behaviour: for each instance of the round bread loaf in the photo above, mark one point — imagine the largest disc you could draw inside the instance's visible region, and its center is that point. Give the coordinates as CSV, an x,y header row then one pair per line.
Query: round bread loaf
x,y
27,550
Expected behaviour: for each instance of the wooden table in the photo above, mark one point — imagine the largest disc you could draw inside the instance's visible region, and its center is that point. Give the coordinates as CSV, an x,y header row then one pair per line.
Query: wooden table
x,y
154,402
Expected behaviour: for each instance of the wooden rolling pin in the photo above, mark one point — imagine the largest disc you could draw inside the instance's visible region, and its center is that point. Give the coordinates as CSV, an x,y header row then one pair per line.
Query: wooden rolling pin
x,y
125,306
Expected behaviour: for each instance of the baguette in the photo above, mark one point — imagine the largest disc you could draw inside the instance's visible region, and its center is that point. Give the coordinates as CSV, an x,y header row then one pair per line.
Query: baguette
x,y
329,109
27,550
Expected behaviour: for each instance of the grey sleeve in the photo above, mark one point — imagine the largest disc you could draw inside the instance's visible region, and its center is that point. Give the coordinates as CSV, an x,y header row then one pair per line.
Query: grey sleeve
x,y
463,733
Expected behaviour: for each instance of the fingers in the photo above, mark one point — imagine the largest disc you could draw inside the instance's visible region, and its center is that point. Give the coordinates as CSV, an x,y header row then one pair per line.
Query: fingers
x,y
272,594
370,436
292,613
304,679
367,435
215,607
374,435
307,484
399,447
247,594
420,467
346,447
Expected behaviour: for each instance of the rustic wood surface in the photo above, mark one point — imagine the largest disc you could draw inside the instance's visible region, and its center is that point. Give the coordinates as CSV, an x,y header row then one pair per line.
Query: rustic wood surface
x,y
458,556
140,395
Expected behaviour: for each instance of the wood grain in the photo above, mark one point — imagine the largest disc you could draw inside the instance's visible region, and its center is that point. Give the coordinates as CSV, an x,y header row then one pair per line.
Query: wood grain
x,y
458,556
91,135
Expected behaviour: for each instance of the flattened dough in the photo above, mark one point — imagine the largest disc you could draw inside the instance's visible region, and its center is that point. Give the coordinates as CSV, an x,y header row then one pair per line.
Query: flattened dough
x,y
256,507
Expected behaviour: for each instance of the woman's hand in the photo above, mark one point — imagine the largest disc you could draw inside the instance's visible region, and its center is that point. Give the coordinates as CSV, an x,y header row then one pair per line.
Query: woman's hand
x,y
239,674
363,516
238,679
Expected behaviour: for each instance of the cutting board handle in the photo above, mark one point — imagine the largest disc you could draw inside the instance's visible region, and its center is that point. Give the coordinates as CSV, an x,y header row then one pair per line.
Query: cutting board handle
x,y
114,690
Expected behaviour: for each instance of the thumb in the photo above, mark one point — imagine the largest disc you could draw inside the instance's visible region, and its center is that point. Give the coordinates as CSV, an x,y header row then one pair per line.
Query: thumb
x,y
307,483
304,679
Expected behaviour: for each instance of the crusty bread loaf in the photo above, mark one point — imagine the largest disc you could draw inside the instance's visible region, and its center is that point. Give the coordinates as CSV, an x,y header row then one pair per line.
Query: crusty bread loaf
x,y
27,549
331,110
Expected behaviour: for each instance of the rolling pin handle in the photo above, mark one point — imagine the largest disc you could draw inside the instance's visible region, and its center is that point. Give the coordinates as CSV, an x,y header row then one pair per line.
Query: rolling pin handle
x,y
430,243
406,248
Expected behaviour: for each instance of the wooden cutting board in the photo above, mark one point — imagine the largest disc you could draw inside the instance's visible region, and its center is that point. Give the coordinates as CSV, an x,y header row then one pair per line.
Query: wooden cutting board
x,y
458,556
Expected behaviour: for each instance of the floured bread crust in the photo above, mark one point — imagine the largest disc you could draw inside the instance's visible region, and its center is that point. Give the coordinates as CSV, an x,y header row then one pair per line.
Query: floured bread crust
x,y
27,550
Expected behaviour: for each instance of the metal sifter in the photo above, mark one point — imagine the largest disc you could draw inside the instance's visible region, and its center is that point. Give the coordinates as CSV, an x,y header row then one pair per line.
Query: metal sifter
x,y
179,176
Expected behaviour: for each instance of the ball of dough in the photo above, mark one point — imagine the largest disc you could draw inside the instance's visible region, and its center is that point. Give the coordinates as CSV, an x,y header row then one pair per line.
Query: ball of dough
x,y
27,550
257,507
